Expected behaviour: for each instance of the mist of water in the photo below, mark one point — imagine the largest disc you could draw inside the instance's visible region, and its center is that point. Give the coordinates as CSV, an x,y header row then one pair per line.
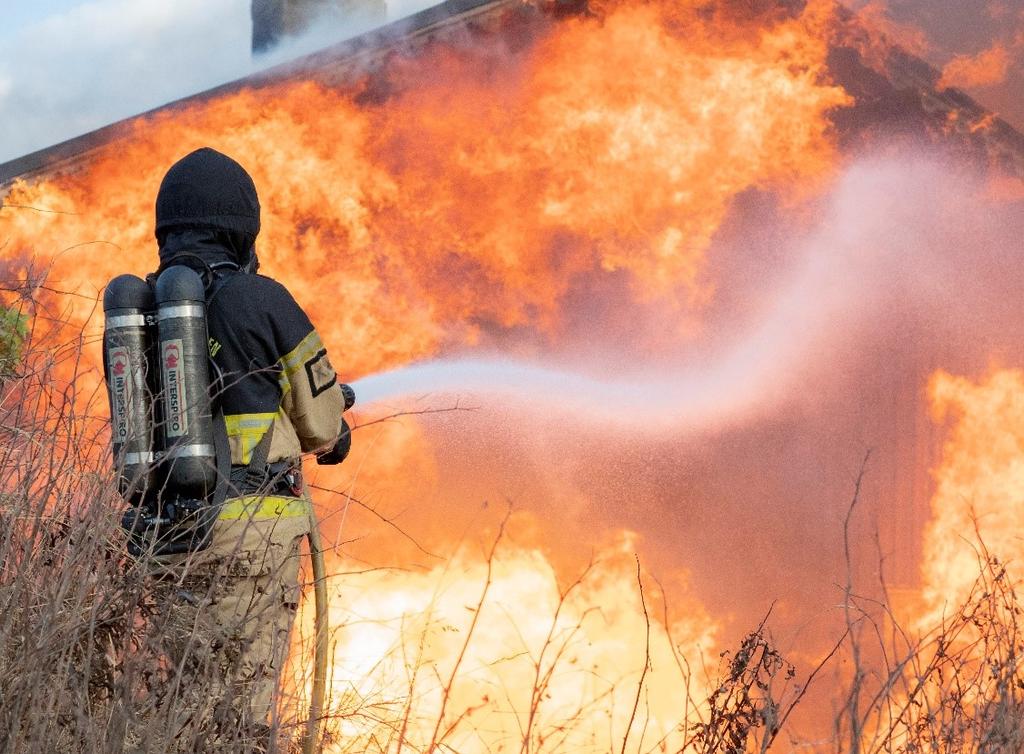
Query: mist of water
x,y
894,235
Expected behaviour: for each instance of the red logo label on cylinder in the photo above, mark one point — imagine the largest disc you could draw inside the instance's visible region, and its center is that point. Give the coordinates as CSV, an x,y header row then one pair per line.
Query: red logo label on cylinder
x,y
120,386
172,361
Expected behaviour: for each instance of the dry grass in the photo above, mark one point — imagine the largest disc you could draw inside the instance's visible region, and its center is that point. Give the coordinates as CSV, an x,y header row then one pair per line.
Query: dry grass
x,y
957,687
84,666
85,630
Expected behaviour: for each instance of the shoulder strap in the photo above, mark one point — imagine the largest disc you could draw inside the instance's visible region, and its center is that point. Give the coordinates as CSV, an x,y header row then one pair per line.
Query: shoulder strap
x,y
255,472
220,430
223,460
220,279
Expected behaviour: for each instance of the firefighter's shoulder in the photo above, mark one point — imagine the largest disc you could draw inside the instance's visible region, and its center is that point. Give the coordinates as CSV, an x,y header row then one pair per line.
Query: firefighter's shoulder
x,y
247,296
255,290
285,317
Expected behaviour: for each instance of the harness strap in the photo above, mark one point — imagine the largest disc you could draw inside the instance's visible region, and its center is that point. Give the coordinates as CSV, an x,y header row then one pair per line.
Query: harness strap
x,y
222,451
220,431
255,472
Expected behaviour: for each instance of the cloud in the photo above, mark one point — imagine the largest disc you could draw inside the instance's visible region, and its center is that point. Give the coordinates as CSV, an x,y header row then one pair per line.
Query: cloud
x,y
108,59
105,60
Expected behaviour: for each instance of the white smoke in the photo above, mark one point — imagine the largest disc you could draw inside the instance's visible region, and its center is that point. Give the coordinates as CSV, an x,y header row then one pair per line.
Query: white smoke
x,y
901,243
102,61
334,25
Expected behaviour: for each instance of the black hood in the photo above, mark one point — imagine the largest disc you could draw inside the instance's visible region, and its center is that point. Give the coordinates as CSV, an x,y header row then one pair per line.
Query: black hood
x,y
210,190
206,201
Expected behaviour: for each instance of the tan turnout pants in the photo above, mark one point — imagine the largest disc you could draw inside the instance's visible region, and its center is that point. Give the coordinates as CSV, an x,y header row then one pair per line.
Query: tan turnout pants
x,y
226,615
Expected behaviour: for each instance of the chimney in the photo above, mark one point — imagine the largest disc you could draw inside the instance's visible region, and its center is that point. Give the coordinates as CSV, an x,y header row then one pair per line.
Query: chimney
x,y
272,20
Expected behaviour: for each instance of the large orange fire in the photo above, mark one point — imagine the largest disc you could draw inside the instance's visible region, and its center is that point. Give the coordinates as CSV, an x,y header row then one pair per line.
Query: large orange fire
x,y
629,189
977,501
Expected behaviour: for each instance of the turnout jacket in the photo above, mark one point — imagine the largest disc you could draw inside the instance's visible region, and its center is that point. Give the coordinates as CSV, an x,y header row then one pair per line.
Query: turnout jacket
x,y
273,366
273,369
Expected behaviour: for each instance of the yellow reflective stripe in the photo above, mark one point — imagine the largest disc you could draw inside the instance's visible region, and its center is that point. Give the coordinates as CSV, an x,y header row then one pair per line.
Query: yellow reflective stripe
x,y
262,507
249,429
307,348
240,422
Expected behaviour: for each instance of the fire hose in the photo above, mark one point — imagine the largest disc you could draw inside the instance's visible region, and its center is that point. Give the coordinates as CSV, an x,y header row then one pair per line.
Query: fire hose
x,y
320,640
321,635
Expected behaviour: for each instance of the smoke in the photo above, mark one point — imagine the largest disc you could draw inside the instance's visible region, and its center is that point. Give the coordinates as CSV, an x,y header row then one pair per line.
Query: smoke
x,y
105,60
825,329
334,24
977,44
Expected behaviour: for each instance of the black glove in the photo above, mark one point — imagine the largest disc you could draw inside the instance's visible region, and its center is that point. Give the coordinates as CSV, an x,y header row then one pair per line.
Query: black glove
x,y
350,395
342,446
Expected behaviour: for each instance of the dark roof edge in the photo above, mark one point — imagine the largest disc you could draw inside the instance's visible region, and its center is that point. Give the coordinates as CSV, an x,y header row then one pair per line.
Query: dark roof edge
x,y
925,76
68,152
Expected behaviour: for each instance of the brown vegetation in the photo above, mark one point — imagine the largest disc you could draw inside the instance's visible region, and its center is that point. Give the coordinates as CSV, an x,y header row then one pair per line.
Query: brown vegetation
x,y
84,668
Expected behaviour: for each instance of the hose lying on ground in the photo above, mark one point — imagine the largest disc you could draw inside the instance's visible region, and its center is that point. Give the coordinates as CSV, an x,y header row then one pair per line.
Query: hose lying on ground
x,y
316,700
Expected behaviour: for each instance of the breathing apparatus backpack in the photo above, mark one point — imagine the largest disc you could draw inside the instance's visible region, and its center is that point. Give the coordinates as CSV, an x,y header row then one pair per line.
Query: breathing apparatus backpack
x,y
168,437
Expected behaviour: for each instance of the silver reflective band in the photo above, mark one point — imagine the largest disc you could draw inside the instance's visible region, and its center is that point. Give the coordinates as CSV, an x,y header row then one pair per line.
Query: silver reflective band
x,y
191,451
177,312
126,320
133,458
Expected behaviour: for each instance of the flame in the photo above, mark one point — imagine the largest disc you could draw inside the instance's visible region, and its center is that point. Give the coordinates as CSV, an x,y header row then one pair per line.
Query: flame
x,y
488,653
985,123
612,144
454,201
978,499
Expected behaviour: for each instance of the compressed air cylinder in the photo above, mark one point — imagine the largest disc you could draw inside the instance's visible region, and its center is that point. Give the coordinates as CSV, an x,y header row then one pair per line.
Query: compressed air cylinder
x,y
187,425
130,383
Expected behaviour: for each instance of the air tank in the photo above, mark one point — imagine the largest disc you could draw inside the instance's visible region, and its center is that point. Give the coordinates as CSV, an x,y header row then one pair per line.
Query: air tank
x,y
127,301
183,352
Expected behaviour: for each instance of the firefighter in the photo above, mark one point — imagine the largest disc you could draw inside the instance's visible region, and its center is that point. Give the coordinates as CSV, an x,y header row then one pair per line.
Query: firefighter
x,y
229,607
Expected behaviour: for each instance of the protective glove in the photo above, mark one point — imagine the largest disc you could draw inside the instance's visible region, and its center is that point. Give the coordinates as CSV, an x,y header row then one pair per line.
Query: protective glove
x,y
350,395
342,446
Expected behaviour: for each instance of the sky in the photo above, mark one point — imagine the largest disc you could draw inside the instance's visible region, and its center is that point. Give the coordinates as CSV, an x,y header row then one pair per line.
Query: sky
x,y
70,66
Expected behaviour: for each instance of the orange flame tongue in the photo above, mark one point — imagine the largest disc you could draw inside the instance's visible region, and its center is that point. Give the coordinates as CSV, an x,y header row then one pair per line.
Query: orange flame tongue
x,y
978,484
616,143
493,654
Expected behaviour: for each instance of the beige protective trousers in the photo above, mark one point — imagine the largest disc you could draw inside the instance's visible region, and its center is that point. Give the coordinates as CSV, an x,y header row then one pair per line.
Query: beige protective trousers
x,y
227,615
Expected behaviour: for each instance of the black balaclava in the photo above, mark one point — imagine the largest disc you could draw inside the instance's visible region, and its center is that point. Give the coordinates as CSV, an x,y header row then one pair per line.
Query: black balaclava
x,y
207,207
